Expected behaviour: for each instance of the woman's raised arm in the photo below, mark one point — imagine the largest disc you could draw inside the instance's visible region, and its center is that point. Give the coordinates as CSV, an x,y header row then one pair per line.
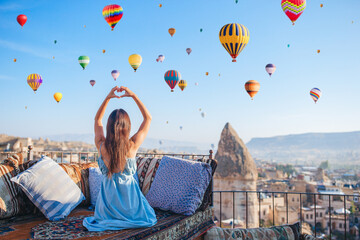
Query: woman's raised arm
x,y
98,126
140,135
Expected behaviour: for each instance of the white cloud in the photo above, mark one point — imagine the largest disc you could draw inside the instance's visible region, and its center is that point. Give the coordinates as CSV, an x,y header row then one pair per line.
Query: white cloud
x,y
23,48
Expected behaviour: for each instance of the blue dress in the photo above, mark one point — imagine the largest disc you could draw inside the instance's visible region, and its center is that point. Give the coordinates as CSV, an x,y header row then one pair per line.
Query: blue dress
x,y
120,203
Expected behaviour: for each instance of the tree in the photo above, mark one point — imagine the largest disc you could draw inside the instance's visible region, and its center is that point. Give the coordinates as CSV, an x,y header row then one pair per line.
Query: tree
x,y
324,165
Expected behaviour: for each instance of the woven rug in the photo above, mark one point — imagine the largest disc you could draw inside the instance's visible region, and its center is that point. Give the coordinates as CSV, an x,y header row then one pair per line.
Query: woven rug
x,y
169,226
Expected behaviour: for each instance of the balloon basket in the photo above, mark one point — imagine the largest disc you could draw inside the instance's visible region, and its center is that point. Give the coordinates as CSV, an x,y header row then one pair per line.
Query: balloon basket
x,y
112,29
172,90
234,60
293,24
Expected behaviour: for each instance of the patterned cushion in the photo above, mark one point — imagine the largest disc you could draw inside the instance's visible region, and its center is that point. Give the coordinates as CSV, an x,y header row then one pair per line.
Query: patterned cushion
x,y
95,179
50,189
12,200
146,170
80,175
285,232
308,237
207,196
179,185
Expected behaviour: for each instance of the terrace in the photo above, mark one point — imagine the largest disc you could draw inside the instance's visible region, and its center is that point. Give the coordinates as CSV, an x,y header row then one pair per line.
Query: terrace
x,y
326,214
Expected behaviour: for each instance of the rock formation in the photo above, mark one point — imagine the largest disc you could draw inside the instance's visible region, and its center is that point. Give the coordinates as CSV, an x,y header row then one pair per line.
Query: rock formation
x,y
233,157
236,171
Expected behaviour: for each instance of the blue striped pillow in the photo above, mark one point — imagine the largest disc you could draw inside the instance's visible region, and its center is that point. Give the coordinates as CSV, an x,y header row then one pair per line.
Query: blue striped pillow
x,y
49,187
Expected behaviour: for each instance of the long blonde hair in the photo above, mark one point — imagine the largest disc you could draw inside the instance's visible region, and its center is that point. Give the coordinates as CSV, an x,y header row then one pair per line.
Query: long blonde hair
x,y
117,141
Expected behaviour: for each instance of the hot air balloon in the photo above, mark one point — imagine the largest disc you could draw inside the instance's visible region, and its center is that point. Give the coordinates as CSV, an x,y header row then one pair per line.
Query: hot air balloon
x,y
293,8
318,51
315,94
167,122
234,38
201,29
212,146
92,82
84,26
161,58
53,57
219,74
84,61
288,45
25,107
207,73
103,51
21,19
203,114
172,31
14,59
236,1
55,41
115,74
321,5
135,61
34,80
252,87
188,50
182,84
270,68
112,14
57,97
199,109
160,5
171,78
160,142
196,84
181,127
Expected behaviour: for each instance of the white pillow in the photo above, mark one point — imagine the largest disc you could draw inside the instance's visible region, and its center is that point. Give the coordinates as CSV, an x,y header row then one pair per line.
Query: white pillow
x,y
49,187
95,179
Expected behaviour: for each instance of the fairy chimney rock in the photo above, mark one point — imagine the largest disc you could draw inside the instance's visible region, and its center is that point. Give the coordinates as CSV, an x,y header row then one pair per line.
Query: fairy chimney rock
x,y
234,159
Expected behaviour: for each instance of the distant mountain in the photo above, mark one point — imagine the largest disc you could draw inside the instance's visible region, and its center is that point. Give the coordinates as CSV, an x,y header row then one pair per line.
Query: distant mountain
x,y
316,147
149,143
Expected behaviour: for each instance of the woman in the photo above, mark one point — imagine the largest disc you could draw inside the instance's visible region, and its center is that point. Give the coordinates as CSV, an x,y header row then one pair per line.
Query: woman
x,y
120,204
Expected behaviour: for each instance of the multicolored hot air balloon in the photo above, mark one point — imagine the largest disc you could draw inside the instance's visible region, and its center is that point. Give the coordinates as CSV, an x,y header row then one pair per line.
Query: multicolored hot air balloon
x,y
34,80
92,82
172,31
171,78
135,61
315,94
57,97
112,14
270,68
21,19
84,61
188,50
293,8
115,74
252,87
182,84
234,38
161,58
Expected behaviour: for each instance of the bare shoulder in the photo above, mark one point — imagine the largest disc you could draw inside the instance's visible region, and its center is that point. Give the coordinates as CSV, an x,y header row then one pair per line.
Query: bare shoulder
x,y
133,149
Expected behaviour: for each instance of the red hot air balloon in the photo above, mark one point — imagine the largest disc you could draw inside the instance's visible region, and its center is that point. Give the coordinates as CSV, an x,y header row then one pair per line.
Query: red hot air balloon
x,y
21,19
172,77
92,82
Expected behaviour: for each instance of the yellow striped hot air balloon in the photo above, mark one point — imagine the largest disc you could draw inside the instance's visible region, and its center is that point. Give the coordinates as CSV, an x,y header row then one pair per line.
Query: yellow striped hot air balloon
x,y
135,61
182,84
252,87
234,38
34,80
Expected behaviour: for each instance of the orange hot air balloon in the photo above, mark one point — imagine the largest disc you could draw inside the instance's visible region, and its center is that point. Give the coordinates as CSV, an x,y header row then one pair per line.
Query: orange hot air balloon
x,y
318,51
57,97
14,59
207,73
321,5
172,31
160,5
103,51
252,87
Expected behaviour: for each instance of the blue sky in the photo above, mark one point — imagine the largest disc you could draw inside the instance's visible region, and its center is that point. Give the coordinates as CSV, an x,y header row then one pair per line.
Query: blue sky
x,y
282,106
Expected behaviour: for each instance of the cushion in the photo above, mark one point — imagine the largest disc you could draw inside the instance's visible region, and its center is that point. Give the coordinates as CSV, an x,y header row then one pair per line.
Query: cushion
x,y
273,233
80,176
12,199
179,185
49,187
207,196
95,179
146,170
